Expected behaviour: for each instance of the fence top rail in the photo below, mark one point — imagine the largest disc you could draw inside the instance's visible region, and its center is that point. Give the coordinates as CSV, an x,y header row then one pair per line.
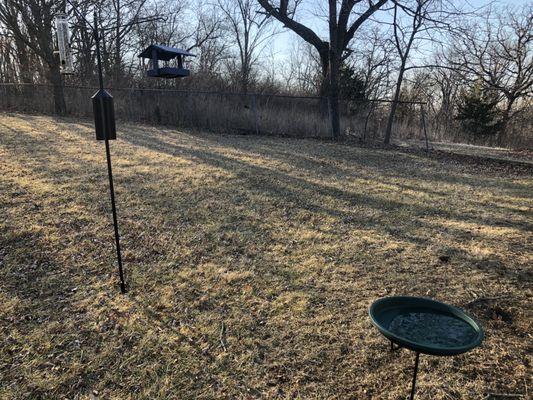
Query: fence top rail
x,y
207,92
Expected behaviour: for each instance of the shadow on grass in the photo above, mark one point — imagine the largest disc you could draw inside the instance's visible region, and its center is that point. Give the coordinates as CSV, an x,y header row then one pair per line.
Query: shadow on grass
x,y
150,218
299,191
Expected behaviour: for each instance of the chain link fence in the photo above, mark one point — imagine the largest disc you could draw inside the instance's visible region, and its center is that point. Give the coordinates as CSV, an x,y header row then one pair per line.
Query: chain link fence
x,y
224,112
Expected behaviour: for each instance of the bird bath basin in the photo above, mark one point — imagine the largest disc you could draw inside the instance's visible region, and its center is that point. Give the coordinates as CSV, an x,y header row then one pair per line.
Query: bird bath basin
x,y
425,326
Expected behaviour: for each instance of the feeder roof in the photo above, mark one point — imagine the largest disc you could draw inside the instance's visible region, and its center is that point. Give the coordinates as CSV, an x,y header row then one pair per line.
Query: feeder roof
x,y
164,53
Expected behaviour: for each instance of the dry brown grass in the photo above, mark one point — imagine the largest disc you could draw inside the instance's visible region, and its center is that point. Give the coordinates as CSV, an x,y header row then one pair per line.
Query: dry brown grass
x,y
251,263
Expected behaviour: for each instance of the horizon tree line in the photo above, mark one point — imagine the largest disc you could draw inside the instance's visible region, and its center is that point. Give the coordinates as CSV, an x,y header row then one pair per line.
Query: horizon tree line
x,y
456,59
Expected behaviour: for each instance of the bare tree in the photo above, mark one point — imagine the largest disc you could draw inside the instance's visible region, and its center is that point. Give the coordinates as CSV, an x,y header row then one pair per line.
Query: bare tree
x,y
127,12
8,68
372,56
15,58
415,22
30,22
342,23
211,40
250,31
82,40
169,31
447,82
118,19
301,72
500,55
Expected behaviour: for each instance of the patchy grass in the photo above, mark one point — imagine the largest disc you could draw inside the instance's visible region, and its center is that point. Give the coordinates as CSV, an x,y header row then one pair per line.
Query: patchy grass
x,y
251,264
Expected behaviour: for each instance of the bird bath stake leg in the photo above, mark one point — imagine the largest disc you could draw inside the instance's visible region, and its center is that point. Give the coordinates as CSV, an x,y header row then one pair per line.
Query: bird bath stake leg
x,y
414,377
109,169
394,347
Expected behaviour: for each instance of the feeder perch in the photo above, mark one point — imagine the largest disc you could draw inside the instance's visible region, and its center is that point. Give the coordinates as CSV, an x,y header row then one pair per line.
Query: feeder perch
x,y
157,53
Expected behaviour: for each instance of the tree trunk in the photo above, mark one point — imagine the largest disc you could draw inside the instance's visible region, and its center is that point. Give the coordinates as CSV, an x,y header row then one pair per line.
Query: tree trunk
x,y
394,105
324,90
324,84
504,121
334,65
334,97
54,76
26,75
245,75
506,116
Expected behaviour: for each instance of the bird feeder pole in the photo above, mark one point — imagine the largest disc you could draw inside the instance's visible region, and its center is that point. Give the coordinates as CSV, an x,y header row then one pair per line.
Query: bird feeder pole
x,y
108,156
104,114
104,117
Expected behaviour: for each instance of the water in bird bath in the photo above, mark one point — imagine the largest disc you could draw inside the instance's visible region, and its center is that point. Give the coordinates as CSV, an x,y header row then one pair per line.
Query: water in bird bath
x,y
432,329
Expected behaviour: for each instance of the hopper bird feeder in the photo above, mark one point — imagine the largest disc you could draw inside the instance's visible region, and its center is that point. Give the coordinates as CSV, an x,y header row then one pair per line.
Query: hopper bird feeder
x,y
157,53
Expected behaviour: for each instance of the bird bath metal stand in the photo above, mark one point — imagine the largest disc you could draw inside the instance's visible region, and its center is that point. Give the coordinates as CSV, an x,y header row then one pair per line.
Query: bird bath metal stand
x,y
425,326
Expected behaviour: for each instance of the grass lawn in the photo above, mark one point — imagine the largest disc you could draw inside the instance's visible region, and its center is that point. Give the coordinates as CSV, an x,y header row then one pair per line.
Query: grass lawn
x,y
251,264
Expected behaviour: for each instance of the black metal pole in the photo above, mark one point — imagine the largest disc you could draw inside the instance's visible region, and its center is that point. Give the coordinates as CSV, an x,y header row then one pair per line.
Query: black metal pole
x,y
414,377
98,57
109,168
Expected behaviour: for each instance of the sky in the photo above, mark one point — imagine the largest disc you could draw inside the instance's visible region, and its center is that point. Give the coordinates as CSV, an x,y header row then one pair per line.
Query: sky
x,y
283,44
